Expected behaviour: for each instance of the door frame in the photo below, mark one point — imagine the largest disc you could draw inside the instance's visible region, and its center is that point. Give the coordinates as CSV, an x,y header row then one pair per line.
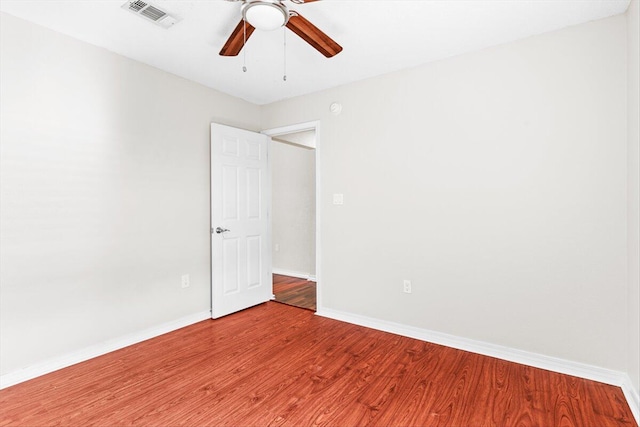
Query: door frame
x,y
301,127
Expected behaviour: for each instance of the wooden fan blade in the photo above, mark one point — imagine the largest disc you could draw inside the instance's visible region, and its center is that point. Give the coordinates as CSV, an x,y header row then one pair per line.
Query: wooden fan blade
x,y
313,35
236,40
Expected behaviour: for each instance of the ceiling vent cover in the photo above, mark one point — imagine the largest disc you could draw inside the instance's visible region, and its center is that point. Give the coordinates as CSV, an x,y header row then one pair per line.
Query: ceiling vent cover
x,y
151,13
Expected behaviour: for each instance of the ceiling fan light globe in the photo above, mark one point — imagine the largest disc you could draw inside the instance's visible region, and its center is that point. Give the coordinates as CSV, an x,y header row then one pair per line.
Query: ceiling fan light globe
x,y
265,15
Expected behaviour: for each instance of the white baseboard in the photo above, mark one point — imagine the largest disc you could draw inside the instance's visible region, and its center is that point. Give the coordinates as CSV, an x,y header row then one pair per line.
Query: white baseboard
x,y
633,397
297,274
549,363
54,364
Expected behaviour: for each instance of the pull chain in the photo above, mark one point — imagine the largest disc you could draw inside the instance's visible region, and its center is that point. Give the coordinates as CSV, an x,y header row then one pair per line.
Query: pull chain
x,y
244,47
284,77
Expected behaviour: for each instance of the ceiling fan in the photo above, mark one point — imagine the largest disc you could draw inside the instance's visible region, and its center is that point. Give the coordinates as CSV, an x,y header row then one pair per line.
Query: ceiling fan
x,y
273,14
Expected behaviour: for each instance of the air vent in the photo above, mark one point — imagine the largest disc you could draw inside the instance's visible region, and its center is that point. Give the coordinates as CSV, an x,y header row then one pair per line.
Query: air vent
x,y
151,13
137,6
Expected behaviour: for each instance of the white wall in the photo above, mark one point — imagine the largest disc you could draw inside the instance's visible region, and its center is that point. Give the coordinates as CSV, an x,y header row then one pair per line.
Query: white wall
x,y
495,181
633,189
293,208
105,194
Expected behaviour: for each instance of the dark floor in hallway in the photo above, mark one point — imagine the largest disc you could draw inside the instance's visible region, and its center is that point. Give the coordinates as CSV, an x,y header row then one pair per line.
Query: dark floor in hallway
x,y
294,291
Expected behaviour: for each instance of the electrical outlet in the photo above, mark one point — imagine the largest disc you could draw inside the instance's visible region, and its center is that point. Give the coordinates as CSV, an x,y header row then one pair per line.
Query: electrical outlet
x,y
185,281
407,286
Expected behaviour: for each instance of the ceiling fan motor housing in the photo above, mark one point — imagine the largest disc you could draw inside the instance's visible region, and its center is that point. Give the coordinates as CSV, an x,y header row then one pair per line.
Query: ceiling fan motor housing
x,y
265,14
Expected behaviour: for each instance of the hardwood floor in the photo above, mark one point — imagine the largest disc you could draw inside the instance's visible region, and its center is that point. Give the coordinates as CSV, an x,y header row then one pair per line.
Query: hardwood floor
x,y
275,365
293,291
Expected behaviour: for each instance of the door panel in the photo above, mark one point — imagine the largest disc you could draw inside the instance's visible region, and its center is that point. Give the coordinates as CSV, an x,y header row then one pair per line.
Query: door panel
x,y
241,256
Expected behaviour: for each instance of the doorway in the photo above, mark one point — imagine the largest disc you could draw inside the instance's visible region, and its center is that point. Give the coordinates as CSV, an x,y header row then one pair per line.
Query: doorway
x,y
294,231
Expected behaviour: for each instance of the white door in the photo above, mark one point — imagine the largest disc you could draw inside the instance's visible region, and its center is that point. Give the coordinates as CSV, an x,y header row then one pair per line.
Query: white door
x,y
240,240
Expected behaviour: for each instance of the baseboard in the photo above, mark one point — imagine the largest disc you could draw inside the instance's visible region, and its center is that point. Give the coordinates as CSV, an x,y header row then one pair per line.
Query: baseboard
x,y
297,274
54,364
633,397
549,363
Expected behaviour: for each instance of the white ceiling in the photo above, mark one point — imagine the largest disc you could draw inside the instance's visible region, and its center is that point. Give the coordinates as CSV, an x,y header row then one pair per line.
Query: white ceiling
x,y
377,36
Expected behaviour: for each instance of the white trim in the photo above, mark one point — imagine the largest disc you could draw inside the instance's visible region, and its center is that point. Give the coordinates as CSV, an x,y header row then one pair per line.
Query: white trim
x,y
318,216
297,274
549,363
300,127
632,396
96,350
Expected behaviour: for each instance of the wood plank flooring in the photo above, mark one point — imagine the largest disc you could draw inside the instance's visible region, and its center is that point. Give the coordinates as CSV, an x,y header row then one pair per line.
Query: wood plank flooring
x,y
294,291
275,365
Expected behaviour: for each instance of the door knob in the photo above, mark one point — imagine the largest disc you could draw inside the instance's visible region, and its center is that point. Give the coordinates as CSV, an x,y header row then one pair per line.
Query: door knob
x,y
220,230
